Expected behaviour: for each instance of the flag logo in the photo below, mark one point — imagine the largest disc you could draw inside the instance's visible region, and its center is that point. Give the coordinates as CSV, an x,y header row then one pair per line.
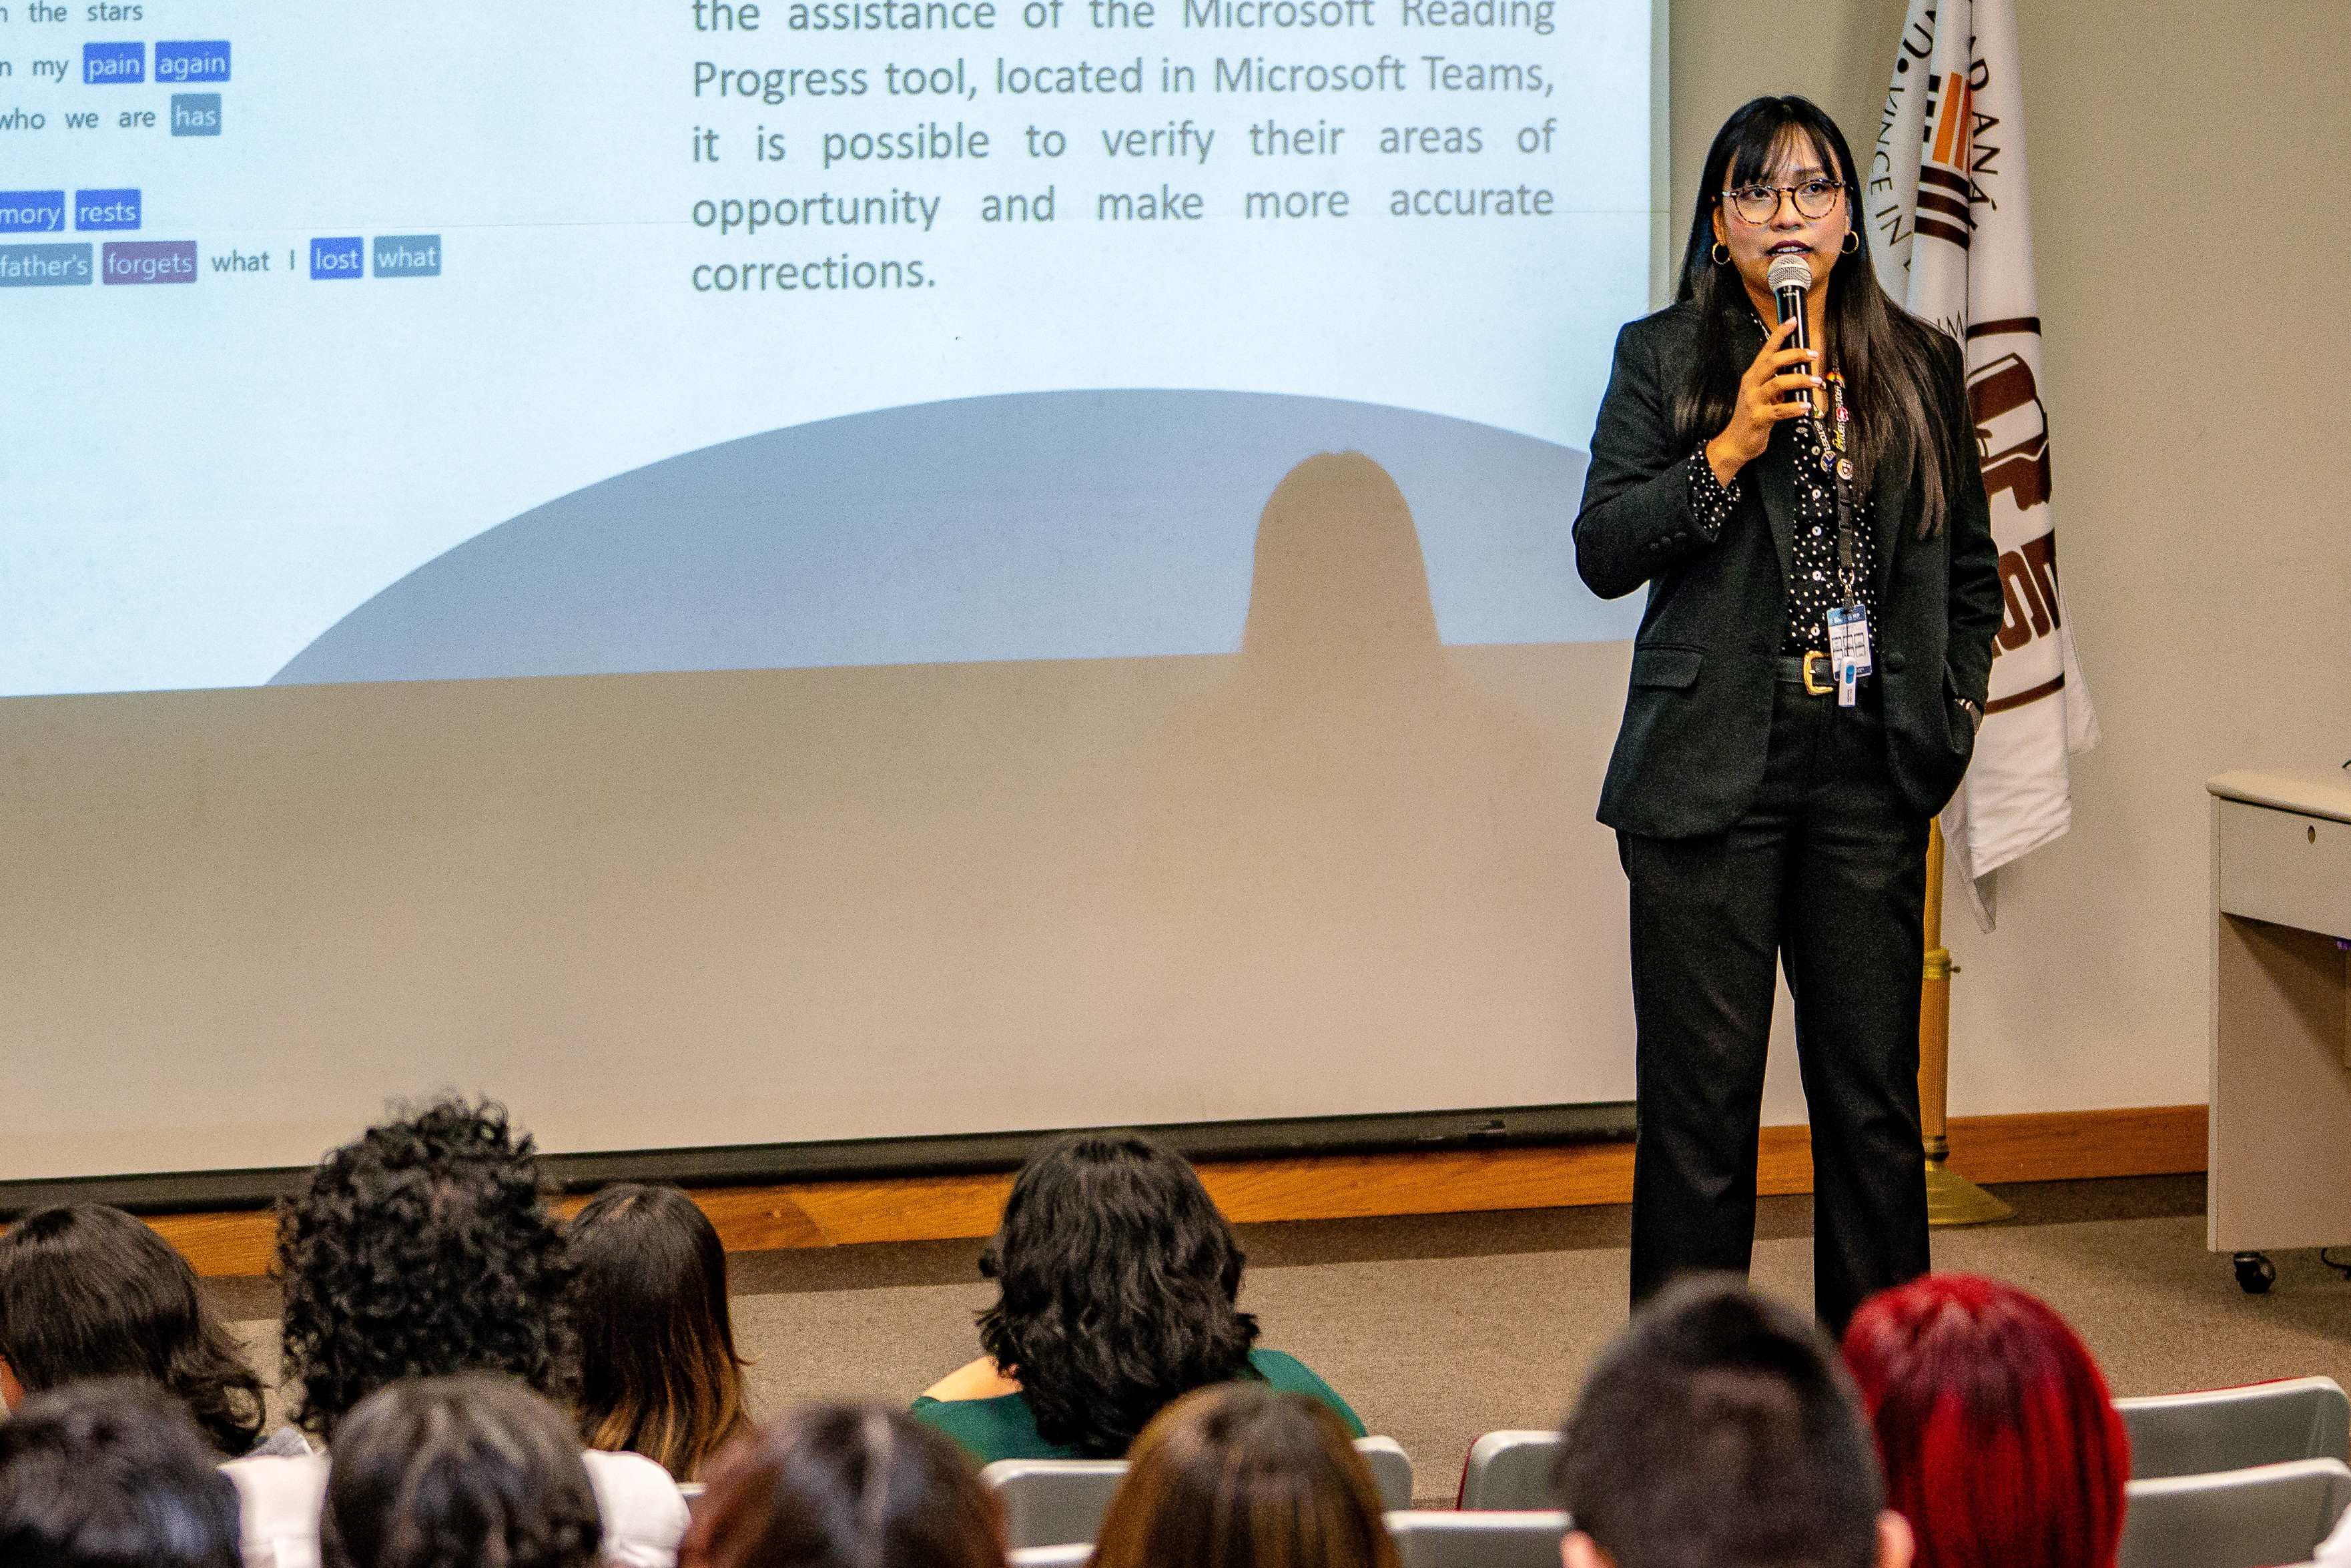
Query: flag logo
x,y
1953,240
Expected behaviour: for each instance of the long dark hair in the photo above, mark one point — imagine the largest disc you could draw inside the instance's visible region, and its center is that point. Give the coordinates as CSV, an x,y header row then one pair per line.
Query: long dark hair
x,y
1887,356
421,1248
467,1470
658,1372
1117,1279
845,1486
87,1291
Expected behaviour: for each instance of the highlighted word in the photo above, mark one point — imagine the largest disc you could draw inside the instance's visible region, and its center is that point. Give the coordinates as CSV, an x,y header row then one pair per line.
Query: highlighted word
x,y
342,257
195,114
103,63
105,209
32,212
188,61
44,266
408,255
151,261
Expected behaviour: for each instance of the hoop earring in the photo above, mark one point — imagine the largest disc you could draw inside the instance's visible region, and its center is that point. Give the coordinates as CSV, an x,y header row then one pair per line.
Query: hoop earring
x,y
1851,242
1722,254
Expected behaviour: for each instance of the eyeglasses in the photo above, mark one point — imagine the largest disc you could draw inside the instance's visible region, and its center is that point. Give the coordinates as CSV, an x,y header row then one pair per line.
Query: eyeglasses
x,y
1761,203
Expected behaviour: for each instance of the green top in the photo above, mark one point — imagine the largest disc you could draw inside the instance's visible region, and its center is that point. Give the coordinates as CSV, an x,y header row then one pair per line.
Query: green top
x,y
1005,1428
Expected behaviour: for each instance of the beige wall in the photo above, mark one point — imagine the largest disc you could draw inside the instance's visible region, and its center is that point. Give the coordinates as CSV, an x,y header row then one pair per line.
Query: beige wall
x,y
291,903
2194,248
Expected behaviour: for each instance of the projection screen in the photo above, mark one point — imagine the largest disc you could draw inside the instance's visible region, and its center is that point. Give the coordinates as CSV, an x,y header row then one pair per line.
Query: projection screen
x,y
806,570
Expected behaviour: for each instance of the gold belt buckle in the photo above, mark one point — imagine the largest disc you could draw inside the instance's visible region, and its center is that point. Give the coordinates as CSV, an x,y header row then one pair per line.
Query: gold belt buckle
x,y
1826,687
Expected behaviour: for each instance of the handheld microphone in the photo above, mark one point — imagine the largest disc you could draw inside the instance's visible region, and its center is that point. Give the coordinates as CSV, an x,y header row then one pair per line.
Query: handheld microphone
x,y
1790,279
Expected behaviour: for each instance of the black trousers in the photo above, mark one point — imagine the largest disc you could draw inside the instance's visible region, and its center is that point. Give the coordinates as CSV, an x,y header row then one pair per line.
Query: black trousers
x,y
1826,873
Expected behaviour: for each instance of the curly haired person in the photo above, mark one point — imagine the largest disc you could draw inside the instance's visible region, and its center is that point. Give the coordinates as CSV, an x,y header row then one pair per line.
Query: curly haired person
x,y
1118,1282
424,1248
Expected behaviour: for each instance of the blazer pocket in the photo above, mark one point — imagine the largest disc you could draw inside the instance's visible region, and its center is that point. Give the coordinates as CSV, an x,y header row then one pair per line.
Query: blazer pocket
x,y
1959,725
1667,665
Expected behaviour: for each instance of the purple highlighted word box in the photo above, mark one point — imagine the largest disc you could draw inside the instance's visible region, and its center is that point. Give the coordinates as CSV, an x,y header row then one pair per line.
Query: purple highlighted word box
x,y
149,261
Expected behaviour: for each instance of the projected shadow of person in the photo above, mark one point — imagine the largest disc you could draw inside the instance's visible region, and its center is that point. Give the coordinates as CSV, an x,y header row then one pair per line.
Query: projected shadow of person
x,y
1346,848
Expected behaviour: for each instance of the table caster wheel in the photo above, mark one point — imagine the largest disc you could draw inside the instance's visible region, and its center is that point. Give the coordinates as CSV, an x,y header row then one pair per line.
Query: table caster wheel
x,y
2256,1273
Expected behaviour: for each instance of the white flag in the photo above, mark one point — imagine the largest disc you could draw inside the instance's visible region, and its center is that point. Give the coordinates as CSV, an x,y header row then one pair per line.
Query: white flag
x,y
1947,214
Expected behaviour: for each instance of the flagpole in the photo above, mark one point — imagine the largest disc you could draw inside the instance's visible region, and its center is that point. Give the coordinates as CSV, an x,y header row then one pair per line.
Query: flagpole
x,y
1951,1199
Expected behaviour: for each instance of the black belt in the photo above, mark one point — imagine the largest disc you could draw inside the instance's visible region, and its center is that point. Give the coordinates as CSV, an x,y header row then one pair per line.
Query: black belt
x,y
1812,672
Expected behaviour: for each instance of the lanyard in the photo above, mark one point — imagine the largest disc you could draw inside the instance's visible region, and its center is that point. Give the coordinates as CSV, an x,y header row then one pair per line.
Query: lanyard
x,y
1834,457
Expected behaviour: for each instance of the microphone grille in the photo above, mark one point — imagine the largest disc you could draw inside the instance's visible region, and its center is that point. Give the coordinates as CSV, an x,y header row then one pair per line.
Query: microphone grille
x,y
1789,272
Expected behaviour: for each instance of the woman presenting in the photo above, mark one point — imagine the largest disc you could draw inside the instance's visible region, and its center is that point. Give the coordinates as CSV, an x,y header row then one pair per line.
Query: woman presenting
x,y
1807,681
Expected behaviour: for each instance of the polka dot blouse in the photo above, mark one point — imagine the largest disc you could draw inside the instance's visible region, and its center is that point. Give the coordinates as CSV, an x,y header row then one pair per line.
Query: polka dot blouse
x,y
1813,585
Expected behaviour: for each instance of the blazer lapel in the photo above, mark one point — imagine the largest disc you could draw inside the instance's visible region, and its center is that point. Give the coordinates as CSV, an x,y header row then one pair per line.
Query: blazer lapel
x,y
1775,478
1775,481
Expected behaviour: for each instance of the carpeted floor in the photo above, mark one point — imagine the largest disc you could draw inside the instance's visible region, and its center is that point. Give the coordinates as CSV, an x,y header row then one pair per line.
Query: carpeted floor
x,y
1439,1328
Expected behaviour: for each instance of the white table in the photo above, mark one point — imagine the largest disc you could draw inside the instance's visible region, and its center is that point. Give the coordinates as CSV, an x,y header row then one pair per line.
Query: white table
x,y
2280,1156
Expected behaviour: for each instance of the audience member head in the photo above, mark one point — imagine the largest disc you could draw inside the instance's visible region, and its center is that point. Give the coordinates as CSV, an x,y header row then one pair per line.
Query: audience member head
x,y
111,1474
1117,1279
1239,1476
1719,1431
658,1372
89,1292
421,1248
844,1485
2000,1442
451,1472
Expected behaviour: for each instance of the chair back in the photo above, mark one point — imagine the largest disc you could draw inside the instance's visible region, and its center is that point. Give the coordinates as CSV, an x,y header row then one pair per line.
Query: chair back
x,y
1391,1469
2236,1518
1071,1554
2233,1428
1052,1503
1509,1470
1056,1502
1445,1538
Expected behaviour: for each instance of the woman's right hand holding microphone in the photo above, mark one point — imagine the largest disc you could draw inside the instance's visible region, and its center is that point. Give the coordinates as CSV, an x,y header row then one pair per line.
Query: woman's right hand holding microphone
x,y
1764,401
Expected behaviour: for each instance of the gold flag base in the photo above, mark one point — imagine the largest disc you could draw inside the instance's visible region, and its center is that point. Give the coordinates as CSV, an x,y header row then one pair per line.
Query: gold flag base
x,y
1953,1199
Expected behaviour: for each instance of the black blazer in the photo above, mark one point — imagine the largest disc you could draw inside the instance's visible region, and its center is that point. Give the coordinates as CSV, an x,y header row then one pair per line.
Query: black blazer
x,y
1697,718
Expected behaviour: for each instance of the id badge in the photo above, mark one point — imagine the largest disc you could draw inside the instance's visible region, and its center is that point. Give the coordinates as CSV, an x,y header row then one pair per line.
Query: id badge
x,y
1849,638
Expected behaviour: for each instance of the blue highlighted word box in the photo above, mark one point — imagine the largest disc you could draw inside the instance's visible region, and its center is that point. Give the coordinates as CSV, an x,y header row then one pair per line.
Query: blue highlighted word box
x,y
45,265
105,209
195,114
113,64
192,60
32,212
408,255
345,255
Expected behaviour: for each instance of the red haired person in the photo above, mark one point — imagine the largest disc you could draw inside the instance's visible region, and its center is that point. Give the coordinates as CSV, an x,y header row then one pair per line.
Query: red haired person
x,y
2000,1442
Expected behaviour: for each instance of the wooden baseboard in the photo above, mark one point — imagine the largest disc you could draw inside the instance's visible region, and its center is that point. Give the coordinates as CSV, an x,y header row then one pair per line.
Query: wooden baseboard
x,y
2065,1145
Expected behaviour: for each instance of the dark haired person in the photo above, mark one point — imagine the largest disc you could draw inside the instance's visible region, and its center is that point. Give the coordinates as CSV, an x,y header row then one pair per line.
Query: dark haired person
x,y
420,1249
89,1292
423,1245
1116,1283
1771,798
448,1470
1719,1431
111,1474
2001,1444
1242,1477
845,1486
658,1372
